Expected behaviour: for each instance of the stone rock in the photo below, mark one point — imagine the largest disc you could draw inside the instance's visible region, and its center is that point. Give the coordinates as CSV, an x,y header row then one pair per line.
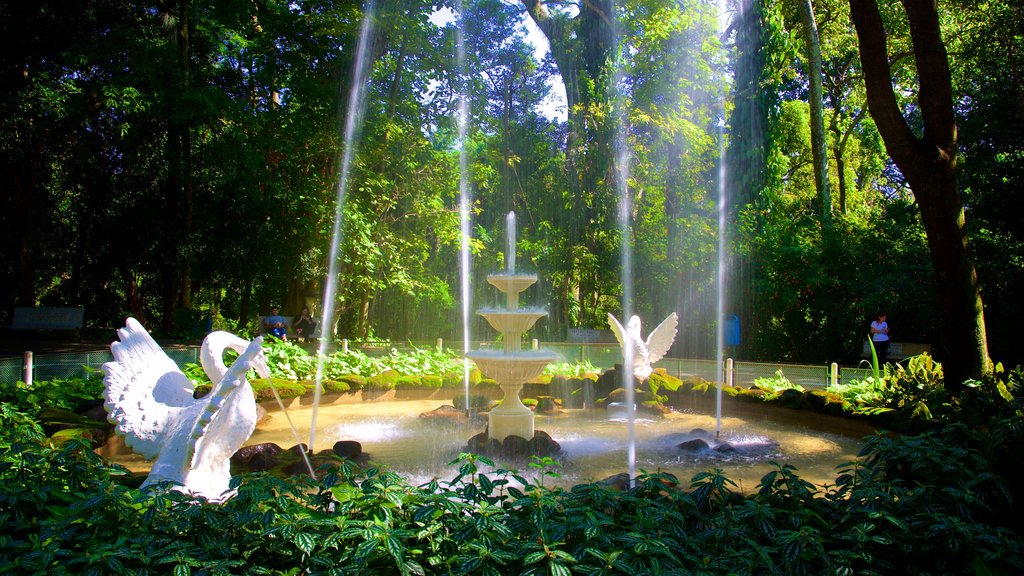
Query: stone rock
x,y
298,449
726,448
542,444
349,449
515,447
695,446
258,457
548,405
478,443
446,414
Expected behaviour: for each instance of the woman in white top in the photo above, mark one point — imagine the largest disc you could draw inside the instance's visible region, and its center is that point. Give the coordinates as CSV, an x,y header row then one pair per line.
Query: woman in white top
x,y
880,337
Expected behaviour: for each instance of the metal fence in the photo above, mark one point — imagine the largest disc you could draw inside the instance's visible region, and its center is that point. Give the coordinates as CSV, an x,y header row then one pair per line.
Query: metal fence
x,y
603,356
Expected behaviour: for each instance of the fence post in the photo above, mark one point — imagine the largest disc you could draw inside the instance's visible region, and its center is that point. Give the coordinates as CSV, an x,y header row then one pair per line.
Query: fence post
x,y
440,344
344,345
835,374
26,369
535,344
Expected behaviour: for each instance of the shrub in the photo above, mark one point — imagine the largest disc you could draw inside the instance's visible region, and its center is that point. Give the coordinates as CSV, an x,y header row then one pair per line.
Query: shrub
x,y
62,393
776,383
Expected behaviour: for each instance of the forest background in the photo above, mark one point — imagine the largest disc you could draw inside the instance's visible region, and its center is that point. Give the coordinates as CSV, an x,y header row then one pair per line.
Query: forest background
x,y
179,160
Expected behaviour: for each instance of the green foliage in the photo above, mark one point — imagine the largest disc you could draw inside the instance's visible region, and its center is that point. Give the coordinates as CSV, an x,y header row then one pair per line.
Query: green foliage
x,y
61,393
938,502
659,380
776,383
571,369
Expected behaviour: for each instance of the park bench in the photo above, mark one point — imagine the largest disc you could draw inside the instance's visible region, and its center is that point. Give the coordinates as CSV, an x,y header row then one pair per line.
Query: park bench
x,y
47,318
900,350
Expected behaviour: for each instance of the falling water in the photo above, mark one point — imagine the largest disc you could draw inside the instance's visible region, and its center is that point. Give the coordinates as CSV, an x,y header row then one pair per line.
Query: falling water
x,y
720,310
353,119
464,207
622,167
722,246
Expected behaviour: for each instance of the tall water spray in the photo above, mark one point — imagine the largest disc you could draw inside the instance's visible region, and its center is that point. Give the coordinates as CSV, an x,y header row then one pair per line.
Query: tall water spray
x,y
353,120
465,202
722,247
625,216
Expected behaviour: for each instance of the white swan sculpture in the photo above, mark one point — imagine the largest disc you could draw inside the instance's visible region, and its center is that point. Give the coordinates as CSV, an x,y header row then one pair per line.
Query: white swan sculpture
x,y
151,402
645,352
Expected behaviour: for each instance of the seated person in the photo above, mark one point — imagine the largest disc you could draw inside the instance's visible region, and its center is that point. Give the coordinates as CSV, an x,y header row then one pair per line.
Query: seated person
x,y
304,325
275,324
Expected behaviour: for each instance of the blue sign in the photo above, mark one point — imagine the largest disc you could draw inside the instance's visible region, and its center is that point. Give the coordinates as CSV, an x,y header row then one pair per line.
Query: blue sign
x,y
732,330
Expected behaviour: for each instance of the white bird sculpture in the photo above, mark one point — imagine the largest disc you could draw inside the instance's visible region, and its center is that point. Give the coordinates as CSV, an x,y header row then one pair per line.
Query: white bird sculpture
x,y
151,402
645,352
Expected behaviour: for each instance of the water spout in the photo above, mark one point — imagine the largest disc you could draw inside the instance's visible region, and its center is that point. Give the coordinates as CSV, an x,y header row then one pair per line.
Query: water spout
x,y
510,250
353,119
465,201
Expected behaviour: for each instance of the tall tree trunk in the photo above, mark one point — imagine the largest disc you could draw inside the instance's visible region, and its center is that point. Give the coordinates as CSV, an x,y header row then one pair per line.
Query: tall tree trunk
x,y
819,151
581,47
929,165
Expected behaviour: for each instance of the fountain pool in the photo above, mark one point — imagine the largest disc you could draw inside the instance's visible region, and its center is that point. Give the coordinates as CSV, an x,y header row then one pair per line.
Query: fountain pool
x,y
593,445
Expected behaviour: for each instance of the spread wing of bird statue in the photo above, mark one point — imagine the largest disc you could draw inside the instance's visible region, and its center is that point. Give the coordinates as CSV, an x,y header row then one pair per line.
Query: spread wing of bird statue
x,y
644,352
150,401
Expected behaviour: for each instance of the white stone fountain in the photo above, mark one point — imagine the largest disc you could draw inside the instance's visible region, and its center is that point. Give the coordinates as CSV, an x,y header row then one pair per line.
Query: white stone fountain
x,y
512,366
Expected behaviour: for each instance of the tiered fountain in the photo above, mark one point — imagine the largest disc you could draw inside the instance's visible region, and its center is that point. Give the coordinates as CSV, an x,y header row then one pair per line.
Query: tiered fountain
x,y
512,366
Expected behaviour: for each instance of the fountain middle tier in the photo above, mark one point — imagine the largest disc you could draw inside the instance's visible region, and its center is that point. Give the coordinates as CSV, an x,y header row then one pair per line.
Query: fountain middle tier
x,y
512,322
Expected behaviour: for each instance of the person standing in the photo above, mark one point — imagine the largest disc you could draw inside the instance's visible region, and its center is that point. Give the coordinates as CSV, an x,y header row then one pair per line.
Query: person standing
x,y
880,337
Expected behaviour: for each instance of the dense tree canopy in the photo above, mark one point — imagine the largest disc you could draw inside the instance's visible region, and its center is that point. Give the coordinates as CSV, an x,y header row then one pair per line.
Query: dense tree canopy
x,y
179,160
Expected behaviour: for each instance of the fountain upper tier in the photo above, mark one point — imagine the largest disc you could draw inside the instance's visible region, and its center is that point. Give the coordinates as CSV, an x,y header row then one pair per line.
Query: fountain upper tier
x,y
511,284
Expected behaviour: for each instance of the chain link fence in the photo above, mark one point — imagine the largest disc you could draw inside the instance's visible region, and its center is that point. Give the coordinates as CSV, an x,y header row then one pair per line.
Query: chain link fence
x,y
602,356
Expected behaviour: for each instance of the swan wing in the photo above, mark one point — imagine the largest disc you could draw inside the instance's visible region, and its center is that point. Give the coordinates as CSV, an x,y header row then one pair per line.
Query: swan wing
x,y
145,392
231,408
660,339
617,329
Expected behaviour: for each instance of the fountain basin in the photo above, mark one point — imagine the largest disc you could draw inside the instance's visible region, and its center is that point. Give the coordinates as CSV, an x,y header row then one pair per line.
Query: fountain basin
x,y
593,444
514,367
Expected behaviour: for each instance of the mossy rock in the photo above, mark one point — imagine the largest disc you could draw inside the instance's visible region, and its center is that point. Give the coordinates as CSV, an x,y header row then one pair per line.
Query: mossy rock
x,y
285,388
789,398
700,386
354,381
336,386
752,394
93,436
409,382
381,382
487,383
662,380
732,391
654,407
542,379
432,381
826,402
530,402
